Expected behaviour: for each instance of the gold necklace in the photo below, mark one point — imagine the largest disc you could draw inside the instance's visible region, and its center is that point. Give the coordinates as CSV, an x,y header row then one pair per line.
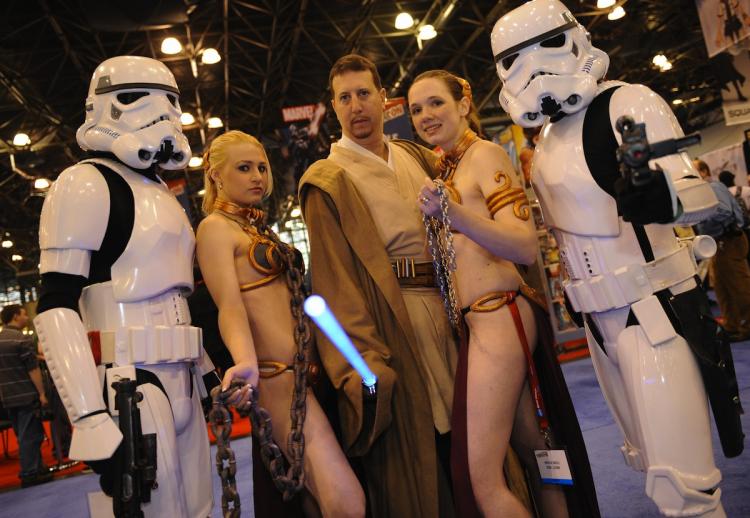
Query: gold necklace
x,y
448,163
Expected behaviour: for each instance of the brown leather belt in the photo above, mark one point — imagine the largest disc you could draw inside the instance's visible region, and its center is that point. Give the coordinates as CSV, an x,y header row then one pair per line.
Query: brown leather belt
x,y
411,274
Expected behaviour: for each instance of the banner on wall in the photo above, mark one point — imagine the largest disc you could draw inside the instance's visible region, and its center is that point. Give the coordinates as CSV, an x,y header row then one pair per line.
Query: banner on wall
x,y
725,23
730,158
396,121
304,140
733,74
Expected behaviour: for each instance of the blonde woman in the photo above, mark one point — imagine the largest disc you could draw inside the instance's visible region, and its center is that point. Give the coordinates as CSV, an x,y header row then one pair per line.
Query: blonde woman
x,y
493,404
250,275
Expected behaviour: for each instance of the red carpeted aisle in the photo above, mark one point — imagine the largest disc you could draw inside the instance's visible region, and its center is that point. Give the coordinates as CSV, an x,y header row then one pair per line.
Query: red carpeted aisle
x,y
9,466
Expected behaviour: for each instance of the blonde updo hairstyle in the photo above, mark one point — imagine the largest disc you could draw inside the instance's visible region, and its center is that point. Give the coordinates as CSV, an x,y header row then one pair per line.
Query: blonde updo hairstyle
x,y
216,156
458,88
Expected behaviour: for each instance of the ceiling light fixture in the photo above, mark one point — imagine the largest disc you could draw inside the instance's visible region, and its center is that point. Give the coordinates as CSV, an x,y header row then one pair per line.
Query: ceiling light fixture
x,y
426,32
296,212
16,258
214,122
210,56
41,184
171,46
187,119
195,161
616,13
404,21
605,4
202,192
7,243
677,102
21,139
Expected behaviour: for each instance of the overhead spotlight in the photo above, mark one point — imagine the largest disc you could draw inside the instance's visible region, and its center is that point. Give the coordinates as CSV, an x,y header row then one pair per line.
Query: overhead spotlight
x,y
677,102
605,4
202,192
7,243
296,212
21,139
214,122
15,258
210,56
288,224
404,21
616,13
195,161
171,46
660,60
426,32
41,184
667,66
187,119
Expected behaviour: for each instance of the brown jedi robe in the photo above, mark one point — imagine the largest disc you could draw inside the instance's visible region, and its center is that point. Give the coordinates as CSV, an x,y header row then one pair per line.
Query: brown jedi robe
x,y
351,270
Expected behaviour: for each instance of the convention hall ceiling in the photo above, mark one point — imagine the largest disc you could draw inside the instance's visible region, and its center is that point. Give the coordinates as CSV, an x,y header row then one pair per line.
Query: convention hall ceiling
x,y
277,53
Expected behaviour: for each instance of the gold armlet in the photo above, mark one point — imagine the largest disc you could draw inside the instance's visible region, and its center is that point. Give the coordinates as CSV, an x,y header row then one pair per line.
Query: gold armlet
x,y
505,195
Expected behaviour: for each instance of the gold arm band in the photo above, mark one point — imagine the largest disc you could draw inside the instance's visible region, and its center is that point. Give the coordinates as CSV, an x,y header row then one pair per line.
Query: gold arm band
x,y
505,195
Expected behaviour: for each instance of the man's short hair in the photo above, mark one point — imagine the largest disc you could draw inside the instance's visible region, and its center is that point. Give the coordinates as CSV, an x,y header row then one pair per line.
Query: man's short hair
x,y
727,178
354,63
9,313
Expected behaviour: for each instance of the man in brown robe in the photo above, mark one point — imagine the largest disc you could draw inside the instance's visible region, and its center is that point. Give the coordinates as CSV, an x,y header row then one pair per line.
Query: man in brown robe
x,y
369,260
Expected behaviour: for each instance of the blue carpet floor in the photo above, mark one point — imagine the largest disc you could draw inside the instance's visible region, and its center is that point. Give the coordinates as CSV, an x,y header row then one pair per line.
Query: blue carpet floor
x,y
620,489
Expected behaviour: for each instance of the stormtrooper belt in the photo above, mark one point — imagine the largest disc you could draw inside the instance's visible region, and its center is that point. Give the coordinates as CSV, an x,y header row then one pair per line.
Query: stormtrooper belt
x,y
630,283
145,345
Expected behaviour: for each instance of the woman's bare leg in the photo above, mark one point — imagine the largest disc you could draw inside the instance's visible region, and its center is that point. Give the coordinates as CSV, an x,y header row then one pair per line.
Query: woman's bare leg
x,y
496,371
328,475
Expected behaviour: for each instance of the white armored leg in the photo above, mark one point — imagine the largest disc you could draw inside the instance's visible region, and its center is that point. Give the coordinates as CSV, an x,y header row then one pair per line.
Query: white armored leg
x,y
663,383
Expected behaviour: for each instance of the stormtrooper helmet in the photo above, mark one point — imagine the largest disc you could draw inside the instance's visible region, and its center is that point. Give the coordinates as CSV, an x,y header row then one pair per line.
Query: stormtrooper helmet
x,y
546,62
133,111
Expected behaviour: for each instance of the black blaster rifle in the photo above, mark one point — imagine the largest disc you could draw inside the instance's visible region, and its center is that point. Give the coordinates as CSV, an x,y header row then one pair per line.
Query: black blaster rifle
x,y
136,476
635,151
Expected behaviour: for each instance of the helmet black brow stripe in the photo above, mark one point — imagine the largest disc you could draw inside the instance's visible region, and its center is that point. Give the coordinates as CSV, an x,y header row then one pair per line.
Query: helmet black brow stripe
x,y
535,39
129,86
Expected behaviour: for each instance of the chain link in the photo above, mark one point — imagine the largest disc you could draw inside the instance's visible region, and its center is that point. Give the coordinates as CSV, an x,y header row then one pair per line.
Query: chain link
x,y
288,482
440,241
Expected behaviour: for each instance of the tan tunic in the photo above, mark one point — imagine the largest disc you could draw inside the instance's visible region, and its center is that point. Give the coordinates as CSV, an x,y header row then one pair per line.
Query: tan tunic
x,y
391,197
351,269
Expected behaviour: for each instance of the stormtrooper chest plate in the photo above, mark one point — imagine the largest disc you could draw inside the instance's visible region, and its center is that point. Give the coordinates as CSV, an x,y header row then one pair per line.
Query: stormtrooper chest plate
x,y
159,255
571,199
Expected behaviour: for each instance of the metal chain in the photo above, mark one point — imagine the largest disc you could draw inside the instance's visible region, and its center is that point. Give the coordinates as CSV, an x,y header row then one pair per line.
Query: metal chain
x,y
440,241
288,482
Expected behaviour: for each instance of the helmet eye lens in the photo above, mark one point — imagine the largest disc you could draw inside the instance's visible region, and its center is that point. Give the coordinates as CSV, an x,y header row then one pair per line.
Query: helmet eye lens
x,y
172,100
508,62
130,97
554,42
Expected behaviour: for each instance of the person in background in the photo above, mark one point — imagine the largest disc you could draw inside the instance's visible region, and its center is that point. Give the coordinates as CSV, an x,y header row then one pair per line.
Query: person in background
x,y
22,393
729,269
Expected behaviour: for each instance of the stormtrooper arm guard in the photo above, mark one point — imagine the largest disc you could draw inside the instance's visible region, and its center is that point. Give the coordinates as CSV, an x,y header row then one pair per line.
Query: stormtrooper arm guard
x,y
71,364
73,222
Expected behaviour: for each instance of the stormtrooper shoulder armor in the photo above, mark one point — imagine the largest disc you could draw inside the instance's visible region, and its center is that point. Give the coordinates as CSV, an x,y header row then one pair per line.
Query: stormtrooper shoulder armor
x,y
73,220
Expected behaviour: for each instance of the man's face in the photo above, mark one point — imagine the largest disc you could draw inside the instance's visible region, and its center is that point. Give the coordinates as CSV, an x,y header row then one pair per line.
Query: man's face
x,y
358,105
21,319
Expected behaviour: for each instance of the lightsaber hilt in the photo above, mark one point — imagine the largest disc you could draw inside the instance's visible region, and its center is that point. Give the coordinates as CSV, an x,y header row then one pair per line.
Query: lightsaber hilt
x,y
317,309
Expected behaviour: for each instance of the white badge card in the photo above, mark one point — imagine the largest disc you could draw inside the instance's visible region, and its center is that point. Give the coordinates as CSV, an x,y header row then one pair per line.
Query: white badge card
x,y
553,467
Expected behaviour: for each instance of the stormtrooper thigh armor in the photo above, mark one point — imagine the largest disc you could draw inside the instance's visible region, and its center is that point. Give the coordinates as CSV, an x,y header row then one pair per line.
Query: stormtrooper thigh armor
x,y
138,320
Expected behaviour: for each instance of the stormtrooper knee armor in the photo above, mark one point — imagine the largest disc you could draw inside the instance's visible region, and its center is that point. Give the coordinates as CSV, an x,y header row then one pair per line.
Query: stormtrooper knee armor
x,y
625,278
117,246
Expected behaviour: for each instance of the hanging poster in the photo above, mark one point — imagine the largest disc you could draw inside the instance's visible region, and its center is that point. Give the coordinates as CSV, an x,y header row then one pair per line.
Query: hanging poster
x,y
733,75
725,23
730,158
305,139
396,121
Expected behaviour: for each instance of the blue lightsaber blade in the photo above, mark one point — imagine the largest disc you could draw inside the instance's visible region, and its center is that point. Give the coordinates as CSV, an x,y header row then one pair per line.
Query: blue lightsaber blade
x,y
317,309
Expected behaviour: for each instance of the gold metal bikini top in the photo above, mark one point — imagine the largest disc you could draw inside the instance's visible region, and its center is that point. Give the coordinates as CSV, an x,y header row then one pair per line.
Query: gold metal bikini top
x,y
263,253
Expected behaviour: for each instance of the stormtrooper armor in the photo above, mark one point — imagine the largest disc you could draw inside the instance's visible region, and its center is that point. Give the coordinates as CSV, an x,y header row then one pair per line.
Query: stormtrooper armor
x,y
627,280
117,246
